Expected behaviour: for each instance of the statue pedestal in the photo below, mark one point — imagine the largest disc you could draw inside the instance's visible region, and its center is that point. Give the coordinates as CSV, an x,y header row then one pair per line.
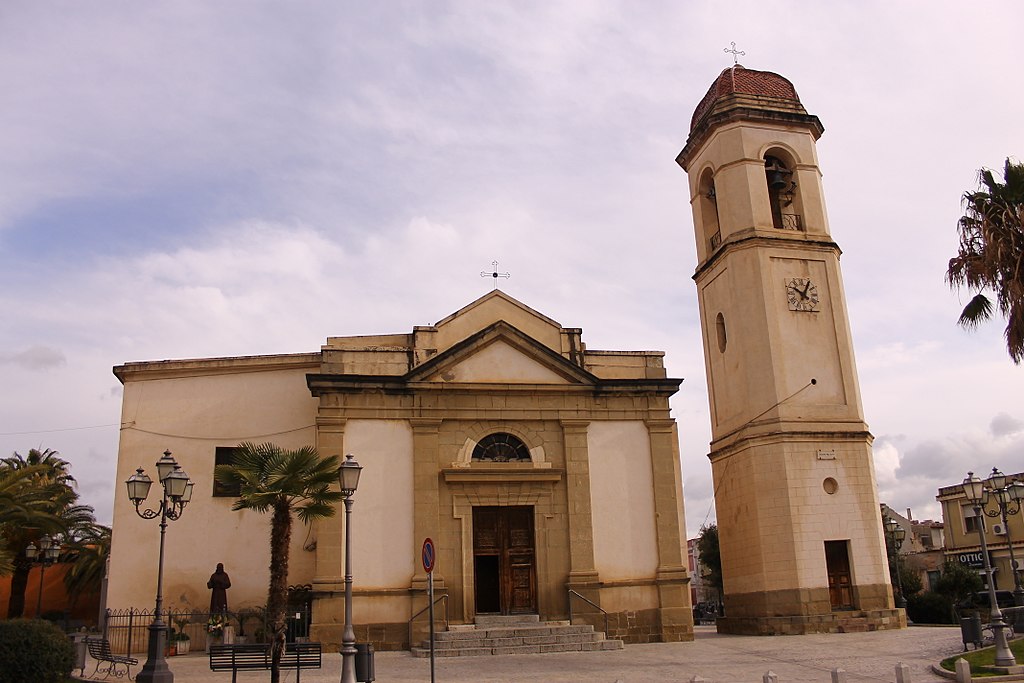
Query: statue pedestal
x,y
229,634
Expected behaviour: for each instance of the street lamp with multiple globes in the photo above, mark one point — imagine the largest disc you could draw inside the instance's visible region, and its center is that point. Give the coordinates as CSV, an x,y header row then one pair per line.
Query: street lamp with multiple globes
x,y
977,495
1008,494
897,534
47,552
177,492
348,474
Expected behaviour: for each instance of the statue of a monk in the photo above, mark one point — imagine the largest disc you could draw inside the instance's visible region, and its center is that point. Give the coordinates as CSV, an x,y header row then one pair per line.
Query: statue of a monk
x,y
220,583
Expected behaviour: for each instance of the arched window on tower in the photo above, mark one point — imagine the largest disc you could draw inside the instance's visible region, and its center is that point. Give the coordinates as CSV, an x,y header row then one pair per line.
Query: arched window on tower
x,y
501,447
781,193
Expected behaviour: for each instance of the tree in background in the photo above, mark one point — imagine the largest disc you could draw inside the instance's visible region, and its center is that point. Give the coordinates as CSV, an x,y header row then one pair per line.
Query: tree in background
x,y
88,554
991,255
46,503
710,557
271,479
958,583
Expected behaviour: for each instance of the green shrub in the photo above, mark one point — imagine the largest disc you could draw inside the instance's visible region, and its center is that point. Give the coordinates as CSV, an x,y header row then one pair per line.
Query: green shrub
x,y
929,608
34,651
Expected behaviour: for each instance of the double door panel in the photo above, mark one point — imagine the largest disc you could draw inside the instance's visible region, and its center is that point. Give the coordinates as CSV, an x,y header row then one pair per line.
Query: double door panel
x,y
504,560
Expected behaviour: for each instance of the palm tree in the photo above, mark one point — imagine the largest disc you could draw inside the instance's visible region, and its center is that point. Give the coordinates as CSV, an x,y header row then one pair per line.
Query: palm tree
x,y
89,551
271,479
20,502
991,253
47,504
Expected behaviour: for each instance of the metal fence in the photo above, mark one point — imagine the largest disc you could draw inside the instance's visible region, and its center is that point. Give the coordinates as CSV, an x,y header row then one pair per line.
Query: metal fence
x,y
128,629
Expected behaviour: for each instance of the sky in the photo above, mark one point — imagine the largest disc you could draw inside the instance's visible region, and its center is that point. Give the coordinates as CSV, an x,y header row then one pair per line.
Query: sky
x,y
193,179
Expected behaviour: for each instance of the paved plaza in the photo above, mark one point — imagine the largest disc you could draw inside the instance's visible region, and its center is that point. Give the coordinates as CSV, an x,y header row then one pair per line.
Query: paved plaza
x,y
716,658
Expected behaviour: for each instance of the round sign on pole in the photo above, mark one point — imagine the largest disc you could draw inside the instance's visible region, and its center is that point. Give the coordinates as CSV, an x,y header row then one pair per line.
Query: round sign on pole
x,y
428,556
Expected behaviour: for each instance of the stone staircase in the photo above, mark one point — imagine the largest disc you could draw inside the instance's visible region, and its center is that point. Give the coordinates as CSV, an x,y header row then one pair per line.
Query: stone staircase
x,y
519,634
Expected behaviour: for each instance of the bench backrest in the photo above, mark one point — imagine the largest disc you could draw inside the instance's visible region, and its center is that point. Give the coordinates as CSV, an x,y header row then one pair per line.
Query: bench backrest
x,y
257,656
99,648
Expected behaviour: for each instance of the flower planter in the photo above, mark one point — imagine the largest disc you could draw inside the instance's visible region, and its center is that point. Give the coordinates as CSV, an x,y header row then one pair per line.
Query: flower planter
x,y
183,647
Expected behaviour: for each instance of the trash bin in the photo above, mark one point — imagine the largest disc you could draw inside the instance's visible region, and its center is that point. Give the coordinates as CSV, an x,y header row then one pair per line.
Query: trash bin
x,y
364,663
970,630
78,642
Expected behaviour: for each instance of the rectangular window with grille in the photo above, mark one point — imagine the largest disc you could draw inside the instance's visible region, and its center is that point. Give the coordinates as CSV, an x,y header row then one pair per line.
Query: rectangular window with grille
x,y
225,455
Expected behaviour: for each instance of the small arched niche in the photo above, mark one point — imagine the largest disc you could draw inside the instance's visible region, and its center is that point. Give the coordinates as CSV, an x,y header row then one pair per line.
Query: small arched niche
x,y
782,190
720,333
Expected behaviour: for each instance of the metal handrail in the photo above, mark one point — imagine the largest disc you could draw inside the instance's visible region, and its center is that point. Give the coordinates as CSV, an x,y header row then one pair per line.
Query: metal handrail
x,y
443,597
592,604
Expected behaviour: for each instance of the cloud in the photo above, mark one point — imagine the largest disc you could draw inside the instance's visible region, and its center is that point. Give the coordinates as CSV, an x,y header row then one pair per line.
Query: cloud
x,y
36,358
1005,425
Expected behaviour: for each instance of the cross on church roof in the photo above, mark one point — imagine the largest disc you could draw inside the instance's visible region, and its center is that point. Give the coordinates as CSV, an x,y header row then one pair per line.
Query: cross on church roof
x,y
495,274
735,52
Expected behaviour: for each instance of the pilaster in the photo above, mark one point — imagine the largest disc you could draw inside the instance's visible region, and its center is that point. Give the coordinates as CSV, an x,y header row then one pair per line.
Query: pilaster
x,y
581,520
330,440
426,493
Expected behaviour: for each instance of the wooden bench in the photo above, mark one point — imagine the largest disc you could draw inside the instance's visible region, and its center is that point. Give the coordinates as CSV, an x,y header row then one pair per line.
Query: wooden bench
x,y
99,649
256,656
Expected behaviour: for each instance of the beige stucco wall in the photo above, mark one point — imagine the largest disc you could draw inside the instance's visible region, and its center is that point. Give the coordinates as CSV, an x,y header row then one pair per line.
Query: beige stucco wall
x,y
191,414
622,498
383,551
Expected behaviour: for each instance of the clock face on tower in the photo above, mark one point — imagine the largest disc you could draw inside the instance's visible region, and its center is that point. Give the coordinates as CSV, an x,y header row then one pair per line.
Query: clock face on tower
x,y
802,294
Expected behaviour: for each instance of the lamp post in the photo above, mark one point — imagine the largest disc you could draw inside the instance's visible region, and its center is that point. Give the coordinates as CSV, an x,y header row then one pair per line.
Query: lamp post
x,y
177,492
977,495
47,552
348,474
897,534
1008,495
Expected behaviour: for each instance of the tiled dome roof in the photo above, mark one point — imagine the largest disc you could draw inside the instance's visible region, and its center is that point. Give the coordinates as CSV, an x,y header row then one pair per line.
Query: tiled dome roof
x,y
737,79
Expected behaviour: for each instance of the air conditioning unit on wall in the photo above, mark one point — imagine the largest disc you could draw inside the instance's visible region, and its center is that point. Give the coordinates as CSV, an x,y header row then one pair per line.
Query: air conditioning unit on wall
x,y
999,529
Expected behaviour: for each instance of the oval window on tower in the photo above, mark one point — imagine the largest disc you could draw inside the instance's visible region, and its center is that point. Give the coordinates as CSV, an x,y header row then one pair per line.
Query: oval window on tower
x,y
723,339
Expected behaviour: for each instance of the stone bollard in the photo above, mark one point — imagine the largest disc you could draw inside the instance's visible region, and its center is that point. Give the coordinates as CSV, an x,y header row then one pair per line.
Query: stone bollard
x,y
963,671
697,679
770,677
838,676
902,673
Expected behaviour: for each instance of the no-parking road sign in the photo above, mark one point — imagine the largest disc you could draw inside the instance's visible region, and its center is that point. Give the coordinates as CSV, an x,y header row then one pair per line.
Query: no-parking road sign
x,y
428,556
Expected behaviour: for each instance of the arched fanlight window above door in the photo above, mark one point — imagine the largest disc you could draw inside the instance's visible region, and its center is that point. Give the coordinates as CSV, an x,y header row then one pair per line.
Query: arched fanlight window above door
x,y
501,447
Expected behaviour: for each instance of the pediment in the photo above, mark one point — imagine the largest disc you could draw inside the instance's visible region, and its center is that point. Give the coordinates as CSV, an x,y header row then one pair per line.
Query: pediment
x,y
500,354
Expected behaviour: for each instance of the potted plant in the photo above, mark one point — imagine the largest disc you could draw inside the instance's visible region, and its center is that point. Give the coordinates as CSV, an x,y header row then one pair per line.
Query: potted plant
x,y
215,629
179,642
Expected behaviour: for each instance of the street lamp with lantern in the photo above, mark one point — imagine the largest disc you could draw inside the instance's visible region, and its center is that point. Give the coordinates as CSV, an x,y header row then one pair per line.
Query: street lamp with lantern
x,y
896,534
1007,495
977,495
177,492
47,553
348,475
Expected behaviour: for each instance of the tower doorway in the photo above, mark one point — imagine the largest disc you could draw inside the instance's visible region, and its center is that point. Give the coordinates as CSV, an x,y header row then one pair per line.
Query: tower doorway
x,y
504,567
837,564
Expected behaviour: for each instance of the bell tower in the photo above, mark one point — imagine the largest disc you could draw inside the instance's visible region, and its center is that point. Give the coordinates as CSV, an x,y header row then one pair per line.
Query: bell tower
x,y
798,515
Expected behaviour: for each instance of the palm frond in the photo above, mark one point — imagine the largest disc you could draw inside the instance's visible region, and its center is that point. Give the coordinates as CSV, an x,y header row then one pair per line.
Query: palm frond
x,y
977,310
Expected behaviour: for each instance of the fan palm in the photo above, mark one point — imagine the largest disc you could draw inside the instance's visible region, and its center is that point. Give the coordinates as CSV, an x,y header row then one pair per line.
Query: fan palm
x,y
272,479
991,254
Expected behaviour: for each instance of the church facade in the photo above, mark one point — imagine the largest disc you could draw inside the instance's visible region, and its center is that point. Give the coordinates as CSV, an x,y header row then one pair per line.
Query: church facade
x,y
537,467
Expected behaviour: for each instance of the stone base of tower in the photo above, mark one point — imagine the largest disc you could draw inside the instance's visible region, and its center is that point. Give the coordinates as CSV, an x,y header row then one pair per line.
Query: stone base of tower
x,y
797,612
855,621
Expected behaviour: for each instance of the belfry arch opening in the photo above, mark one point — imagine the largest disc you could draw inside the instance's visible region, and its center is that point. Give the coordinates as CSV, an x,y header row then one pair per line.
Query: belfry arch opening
x,y
708,200
782,191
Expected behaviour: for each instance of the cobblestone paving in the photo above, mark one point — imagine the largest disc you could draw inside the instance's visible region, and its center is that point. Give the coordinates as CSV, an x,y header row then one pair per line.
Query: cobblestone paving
x,y
866,657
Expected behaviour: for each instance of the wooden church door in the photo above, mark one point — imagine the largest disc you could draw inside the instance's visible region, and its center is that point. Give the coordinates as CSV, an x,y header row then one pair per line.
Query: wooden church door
x,y
503,560
837,563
